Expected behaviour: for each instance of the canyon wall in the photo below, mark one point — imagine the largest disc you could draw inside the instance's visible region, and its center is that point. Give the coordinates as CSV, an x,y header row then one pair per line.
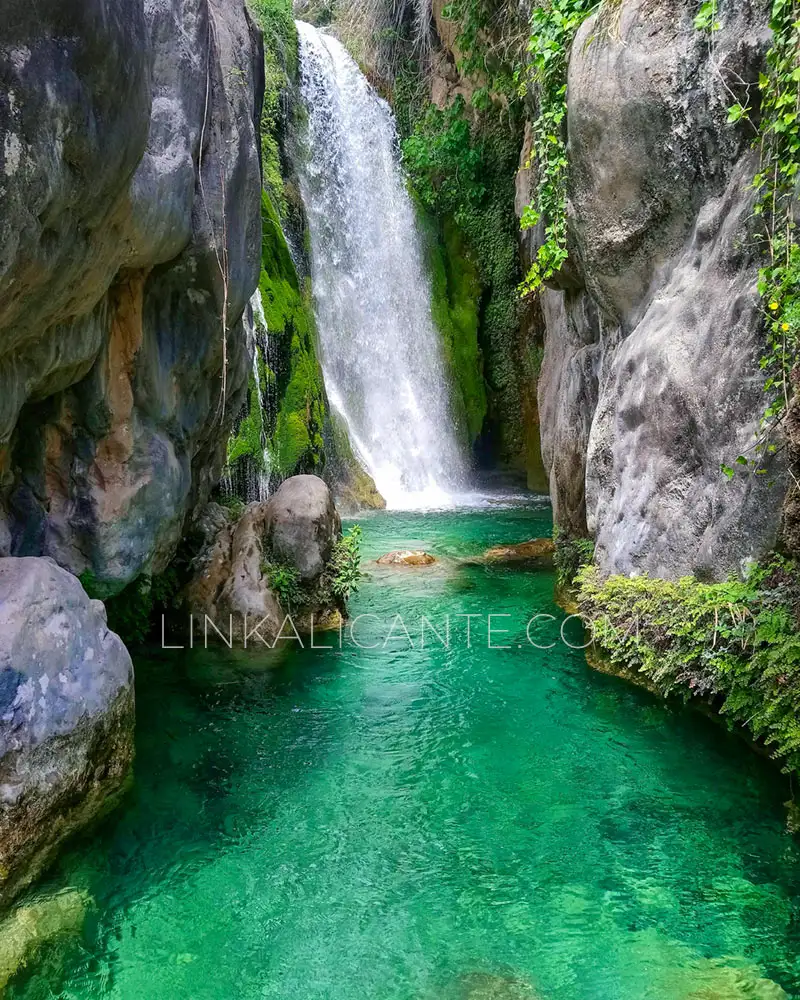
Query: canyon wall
x,y
651,382
130,182
130,245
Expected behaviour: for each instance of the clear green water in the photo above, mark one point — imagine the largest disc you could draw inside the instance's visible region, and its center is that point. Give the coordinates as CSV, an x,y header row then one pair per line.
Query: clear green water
x,y
402,824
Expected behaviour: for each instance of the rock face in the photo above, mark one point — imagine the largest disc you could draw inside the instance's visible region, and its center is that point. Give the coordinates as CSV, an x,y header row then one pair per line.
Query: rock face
x,y
66,715
130,231
650,380
296,529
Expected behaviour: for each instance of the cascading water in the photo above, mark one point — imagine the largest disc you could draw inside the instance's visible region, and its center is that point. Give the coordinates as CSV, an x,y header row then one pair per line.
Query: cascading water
x,y
249,478
380,351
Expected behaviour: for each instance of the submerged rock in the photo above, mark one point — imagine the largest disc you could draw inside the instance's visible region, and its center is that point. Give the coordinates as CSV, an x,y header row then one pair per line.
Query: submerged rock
x,y
30,926
491,986
538,551
66,715
407,557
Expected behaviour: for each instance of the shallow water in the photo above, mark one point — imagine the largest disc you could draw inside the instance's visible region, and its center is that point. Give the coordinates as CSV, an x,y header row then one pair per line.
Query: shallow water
x,y
404,824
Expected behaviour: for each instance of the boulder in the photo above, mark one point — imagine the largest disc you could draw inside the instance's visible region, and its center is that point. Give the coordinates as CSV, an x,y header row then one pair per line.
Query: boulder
x,y
538,551
129,157
303,526
407,557
66,715
230,571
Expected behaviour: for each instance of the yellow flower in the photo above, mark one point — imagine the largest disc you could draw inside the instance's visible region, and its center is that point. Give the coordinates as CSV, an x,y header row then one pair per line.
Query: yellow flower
x,y
773,306
784,327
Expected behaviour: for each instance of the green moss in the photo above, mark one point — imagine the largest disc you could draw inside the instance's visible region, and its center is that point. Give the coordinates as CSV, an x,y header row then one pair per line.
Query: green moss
x,y
455,306
281,62
736,643
296,443
462,164
132,612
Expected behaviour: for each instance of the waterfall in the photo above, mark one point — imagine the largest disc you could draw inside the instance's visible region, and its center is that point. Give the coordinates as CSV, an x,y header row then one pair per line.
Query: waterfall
x,y
380,351
249,476
260,338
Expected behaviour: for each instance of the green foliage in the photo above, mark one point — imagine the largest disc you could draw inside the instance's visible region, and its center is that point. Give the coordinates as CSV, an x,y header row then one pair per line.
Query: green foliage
x,y
490,45
344,569
455,307
553,27
281,63
294,438
570,556
284,582
461,166
706,17
736,642
131,613
339,579
777,183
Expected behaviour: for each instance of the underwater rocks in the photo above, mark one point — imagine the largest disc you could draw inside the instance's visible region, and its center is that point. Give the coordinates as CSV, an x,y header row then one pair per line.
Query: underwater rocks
x,y
538,551
407,557
66,715
130,181
271,561
651,380
25,931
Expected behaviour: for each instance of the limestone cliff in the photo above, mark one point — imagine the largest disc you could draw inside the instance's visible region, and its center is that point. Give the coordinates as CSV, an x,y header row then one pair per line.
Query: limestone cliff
x,y
650,380
130,239
130,235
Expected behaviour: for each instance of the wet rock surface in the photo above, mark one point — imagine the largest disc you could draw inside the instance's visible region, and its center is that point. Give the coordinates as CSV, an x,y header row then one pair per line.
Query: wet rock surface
x,y
232,572
407,557
130,181
538,551
66,715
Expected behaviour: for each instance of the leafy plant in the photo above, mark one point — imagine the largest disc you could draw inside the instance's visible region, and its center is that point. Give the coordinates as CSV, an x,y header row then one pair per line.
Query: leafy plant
x,y
344,569
284,582
779,142
554,24
706,18
571,555
736,642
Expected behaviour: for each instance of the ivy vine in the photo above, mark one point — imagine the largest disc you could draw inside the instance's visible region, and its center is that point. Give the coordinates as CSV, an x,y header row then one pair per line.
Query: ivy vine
x,y
777,183
554,24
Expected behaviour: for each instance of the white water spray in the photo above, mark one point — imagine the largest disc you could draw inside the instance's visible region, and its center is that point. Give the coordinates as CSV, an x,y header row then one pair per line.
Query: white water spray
x,y
380,351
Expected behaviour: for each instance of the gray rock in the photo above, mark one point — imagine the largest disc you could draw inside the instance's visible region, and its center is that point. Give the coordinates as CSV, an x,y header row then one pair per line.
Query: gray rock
x,y
650,380
229,583
303,526
130,180
66,715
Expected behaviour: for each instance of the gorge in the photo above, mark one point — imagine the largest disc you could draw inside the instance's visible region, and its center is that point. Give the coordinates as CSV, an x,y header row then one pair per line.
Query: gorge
x,y
283,296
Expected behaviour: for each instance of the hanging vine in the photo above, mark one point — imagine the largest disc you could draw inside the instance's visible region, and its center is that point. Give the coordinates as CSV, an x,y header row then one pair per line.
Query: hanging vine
x,y
554,24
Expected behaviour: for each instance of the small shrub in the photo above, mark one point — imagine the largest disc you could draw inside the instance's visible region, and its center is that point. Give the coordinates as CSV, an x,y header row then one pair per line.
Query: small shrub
x,y
284,582
571,555
344,569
